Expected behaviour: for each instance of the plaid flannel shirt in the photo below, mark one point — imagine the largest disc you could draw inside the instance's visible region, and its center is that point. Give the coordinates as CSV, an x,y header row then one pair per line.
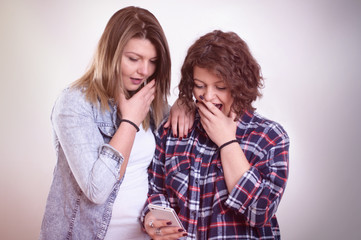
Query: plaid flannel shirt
x,y
187,174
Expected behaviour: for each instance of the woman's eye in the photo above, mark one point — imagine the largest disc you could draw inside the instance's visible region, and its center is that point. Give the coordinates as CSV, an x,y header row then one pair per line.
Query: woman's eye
x,y
198,86
221,88
133,59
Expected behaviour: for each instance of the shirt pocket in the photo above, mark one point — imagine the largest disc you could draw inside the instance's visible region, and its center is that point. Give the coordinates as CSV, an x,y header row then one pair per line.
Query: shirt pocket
x,y
177,176
107,130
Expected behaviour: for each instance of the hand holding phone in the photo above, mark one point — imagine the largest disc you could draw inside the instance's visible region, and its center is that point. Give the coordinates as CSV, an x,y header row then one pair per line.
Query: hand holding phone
x,y
165,213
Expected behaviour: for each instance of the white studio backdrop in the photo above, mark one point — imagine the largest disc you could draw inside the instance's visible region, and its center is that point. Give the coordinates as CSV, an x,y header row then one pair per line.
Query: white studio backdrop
x,y
309,52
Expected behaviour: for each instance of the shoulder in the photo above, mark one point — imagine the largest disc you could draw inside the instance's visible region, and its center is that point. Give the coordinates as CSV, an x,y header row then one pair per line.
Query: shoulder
x,y
256,125
72,100
271,126
71,95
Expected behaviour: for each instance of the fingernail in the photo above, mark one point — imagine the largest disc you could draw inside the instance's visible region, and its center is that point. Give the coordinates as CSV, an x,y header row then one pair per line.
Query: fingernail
x,y
185,136
174,135
185,234
180,230
180,138
201,97
169,223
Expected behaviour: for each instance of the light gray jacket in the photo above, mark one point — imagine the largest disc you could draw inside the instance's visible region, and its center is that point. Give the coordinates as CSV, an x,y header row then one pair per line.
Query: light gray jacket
x,y
85,181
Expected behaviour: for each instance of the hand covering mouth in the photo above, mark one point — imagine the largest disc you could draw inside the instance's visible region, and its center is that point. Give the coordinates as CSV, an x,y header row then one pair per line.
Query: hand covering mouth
x,y
218,105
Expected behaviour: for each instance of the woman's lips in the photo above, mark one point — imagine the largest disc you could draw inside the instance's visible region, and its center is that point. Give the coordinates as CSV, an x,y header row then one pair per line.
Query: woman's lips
x,y
219,106
136,81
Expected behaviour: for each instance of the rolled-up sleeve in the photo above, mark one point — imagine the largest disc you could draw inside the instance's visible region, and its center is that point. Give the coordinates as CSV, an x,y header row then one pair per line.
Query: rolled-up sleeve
x,y
258,192
94,163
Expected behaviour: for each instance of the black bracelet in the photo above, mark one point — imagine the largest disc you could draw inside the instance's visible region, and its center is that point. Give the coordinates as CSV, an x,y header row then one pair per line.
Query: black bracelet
x,y
130,122
227,143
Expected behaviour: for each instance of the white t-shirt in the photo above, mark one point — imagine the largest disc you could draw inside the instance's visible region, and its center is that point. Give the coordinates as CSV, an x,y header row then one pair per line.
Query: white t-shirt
x,y
132,195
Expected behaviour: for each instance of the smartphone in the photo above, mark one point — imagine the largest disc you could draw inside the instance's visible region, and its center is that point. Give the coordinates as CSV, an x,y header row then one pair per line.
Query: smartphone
x,y
166,213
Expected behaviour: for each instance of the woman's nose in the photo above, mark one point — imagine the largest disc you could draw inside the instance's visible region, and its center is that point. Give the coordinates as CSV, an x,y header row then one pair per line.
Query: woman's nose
x,y
208,94
143,68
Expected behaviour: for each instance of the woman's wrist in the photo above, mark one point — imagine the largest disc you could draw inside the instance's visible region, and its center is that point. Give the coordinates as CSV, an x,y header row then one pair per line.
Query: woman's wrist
x,y
227,143
131,123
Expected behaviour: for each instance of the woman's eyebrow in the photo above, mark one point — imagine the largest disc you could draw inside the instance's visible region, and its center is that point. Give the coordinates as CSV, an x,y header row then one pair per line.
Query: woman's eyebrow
x,y
220,81
140,55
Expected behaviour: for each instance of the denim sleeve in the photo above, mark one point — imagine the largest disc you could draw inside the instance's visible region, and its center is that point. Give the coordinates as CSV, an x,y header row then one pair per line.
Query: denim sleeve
x,y
94,164
259,191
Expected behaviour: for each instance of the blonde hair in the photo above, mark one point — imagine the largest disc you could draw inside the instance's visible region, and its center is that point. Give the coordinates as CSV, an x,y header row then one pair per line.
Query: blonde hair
x,y
102,81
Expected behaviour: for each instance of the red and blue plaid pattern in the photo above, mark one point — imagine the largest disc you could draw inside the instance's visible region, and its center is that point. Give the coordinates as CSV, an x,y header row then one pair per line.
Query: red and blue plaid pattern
x,y
187,174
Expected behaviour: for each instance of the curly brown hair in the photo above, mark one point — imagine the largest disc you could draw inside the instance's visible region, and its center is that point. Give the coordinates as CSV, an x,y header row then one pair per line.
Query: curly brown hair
x,y
228,56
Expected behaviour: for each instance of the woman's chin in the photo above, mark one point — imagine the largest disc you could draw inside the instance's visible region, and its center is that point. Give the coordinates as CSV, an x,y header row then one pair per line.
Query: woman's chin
x,y
134,89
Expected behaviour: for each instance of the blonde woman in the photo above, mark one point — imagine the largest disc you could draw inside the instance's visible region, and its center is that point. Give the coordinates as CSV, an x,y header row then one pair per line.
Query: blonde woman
x,y
103,127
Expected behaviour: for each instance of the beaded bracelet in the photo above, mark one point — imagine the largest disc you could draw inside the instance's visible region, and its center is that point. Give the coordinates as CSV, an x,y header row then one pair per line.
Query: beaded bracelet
x,y
227,143
130,122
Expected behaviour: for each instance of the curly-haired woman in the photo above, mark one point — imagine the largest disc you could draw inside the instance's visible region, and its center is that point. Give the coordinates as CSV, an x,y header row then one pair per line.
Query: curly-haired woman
x,y
225,180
